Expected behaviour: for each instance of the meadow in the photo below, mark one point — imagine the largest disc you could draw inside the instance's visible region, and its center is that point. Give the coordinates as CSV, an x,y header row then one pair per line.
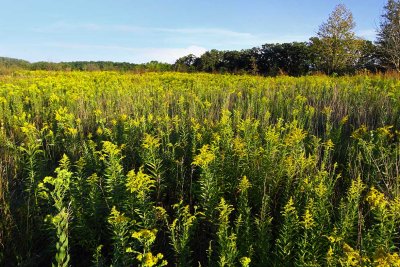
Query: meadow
x,y
173,169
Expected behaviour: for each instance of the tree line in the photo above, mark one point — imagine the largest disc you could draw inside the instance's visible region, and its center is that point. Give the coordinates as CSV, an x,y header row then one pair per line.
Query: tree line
x,y
335,50
10,64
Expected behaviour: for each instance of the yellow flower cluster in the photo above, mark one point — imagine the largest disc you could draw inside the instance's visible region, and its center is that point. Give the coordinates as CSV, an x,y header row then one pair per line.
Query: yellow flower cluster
x,y
150,142
376,199
239,147
295,136
244,184
205,157
150,260
320,189
289,207
330,257
387,259
360,132
308,220
145,236
385,131
63,116
139,183
329,144
117,217
356,188
110,149
351,256
245,261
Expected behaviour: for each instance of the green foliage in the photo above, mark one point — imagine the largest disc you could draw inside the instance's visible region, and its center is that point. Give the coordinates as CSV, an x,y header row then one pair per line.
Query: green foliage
x,y
119,225
226,237
181,232
208,184
59,196
146,258
153,162
286,244
198,169
336,47
243,221
111,156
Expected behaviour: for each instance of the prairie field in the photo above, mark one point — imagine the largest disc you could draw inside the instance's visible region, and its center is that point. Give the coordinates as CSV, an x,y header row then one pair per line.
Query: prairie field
x,y
174,169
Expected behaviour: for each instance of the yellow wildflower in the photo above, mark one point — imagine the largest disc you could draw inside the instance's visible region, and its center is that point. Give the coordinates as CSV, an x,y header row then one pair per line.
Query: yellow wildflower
x,y
351,256
356,188
344,120
308,220
245,261
330,256
329,144
99,131
117,217
139,183
205,157
289,207
72,131
239,147
244,184
376,199
382,259
150,142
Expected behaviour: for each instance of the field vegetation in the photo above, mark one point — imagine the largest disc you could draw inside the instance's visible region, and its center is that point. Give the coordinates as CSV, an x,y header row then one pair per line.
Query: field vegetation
x,y
156,169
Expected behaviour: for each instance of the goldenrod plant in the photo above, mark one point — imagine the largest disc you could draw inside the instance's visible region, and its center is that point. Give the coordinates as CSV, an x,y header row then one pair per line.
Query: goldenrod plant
x,y
145,257
226,237
307,167
288,239
181,232
114,178
61,220
209,192
243,221
119,226
153,162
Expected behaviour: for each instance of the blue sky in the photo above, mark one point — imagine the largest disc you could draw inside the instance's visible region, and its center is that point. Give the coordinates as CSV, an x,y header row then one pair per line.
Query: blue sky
x,y
164,30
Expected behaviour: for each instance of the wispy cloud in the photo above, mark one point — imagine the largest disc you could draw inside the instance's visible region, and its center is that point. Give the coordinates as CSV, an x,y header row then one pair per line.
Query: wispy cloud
x,y
63,26
121,53
138,44
219,38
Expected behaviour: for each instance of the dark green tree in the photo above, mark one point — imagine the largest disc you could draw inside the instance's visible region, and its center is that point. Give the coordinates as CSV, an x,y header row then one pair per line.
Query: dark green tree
x,y
211,61
186,63
288,58
369,59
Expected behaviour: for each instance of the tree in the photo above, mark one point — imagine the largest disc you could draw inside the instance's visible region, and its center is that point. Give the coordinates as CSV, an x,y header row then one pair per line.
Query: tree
x,y
211,61
369,59
186,63
336,47
290,58
388,40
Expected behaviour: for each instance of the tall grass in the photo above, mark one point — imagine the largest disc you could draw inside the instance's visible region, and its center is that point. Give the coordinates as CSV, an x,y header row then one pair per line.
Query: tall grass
x,y
150,169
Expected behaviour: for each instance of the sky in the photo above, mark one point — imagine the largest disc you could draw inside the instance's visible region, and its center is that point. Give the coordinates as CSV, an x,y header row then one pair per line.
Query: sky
x,y
163,30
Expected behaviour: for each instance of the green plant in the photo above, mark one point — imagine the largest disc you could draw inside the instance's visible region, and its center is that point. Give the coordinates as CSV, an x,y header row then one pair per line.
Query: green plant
x,y
286,244
146,258
119,226
226,237
59,196
181,232
114,178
